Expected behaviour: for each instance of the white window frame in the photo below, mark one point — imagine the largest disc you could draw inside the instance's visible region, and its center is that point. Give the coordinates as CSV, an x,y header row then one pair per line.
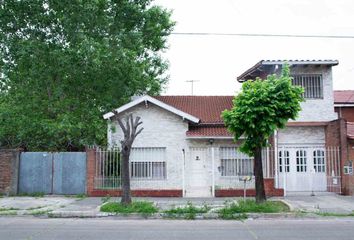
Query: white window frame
x,y
286,163
319,159
301,160
148,163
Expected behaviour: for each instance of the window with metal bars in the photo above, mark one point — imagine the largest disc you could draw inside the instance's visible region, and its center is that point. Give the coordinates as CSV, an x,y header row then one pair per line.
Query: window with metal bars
x,y
235,163
148,163
312,84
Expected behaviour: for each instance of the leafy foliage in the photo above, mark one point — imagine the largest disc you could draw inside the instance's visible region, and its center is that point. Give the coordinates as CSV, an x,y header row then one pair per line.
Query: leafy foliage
x,y
65,63
262,107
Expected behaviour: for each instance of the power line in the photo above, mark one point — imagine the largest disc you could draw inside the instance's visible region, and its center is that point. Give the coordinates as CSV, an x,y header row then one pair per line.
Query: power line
x,y
261,35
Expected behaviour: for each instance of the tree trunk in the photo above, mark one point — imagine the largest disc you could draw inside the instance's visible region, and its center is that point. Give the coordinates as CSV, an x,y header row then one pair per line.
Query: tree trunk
x,y
126,196
130,130
258,173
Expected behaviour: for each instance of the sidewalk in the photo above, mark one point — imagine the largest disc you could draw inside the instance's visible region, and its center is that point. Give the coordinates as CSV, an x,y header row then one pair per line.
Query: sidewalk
x,y
325,203
60,206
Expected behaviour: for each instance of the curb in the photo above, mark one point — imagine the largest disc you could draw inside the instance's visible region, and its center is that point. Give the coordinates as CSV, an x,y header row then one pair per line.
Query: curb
x,y
206,216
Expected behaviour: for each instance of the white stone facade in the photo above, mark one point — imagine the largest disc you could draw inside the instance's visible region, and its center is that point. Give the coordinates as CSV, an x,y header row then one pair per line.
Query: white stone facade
x,y
301,136
317,110
161,129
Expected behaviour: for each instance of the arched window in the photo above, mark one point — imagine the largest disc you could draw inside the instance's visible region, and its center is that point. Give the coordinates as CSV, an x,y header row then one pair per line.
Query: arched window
x,y
301,161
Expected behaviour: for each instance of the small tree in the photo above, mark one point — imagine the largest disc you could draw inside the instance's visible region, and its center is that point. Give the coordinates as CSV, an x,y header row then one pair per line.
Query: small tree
x,y
258,110
130,130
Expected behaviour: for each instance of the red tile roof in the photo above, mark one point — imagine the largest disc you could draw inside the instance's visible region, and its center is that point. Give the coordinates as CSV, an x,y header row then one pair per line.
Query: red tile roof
x,y
350,130
344,97
209,131
207,108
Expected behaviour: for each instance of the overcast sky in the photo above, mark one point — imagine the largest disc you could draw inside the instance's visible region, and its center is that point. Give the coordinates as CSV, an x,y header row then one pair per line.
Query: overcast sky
x,y
216,61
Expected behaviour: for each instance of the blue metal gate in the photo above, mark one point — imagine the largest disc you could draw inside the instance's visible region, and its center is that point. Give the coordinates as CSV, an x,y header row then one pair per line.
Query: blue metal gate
x,y
52,173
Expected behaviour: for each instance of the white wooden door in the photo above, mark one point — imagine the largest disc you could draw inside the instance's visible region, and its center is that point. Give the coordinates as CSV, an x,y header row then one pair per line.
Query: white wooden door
x,y
198,184
302,169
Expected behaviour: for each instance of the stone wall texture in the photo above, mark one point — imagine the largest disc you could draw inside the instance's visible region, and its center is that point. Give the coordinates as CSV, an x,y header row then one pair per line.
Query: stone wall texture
x,y
318,109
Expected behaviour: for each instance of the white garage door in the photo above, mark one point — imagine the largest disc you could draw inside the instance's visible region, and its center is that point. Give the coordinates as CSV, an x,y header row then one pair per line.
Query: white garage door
x,y
302,168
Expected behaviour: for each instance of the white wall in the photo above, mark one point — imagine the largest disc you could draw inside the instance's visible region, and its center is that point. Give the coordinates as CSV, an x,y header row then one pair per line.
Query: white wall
x,y
161,129
318,109
301,136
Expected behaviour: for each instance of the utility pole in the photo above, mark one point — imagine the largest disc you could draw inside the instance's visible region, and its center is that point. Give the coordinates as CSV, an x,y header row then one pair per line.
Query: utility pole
x,y
192,84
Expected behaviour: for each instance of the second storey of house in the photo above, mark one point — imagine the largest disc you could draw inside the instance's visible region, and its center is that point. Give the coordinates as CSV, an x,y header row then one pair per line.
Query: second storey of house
x,y
315,76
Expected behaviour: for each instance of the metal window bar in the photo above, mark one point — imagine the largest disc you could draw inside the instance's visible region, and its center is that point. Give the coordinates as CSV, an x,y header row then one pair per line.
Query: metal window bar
x,y
312,84
233,163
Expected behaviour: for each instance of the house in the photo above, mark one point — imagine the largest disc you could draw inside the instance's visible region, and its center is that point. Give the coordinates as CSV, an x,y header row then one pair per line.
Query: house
x,y
344,106
185,149
308,148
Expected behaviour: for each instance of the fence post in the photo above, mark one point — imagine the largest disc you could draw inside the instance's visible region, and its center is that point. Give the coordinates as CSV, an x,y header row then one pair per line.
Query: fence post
x,y
213,171
183,173
90,170
9,171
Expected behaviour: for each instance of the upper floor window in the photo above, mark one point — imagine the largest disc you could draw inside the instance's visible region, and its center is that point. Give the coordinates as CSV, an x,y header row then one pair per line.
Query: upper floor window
x,y
312,84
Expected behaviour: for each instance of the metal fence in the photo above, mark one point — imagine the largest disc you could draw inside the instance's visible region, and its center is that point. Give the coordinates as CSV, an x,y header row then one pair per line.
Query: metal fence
x,y
108,173
52,173
147,167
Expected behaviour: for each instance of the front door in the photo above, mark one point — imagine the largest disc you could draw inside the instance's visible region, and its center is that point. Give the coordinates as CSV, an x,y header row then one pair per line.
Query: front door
x,y
198,182
302,169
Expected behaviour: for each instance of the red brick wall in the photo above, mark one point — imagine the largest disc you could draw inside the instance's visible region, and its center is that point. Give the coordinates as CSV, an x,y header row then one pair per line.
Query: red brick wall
x,y
345,112
8,171
90,170
349,179
336,135
269,188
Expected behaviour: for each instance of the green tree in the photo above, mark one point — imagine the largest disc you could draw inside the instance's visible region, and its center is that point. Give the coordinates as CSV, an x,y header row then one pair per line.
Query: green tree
x,y
65,63
262,107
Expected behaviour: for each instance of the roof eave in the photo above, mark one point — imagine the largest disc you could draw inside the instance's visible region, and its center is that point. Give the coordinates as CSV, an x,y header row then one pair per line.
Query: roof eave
x,y
242,77
150,99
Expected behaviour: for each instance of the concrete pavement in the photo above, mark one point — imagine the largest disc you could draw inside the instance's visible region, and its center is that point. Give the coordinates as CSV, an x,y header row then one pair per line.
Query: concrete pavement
x,y
60,206
329,203
106,228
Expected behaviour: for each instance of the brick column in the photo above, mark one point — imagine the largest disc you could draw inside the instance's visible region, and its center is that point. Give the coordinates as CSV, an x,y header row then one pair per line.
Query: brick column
x,y
90,170
336,135
9,167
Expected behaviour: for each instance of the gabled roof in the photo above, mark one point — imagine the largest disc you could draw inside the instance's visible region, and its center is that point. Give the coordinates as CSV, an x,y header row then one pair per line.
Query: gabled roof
x,y
343,97
155,101
207,108
259,67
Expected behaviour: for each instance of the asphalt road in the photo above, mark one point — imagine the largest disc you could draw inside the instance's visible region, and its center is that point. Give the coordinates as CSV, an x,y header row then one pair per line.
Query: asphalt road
x,y
31,228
